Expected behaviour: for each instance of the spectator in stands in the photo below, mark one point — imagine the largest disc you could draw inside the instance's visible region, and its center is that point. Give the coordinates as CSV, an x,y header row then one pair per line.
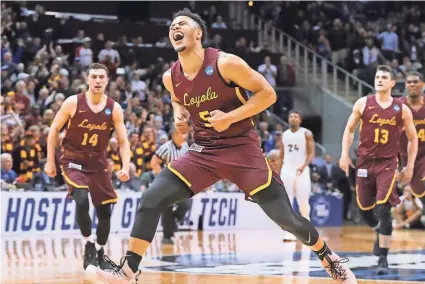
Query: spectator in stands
x,y
219,23
408,213
109,55
84,54
8,175
329,173
273,158
389,41
338,42
269,71
26,159
134,183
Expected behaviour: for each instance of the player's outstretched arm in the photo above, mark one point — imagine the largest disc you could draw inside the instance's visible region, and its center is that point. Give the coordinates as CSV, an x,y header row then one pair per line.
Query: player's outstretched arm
x,y
234,69
311,151
66,111
348,137
118,119
181,115
412,146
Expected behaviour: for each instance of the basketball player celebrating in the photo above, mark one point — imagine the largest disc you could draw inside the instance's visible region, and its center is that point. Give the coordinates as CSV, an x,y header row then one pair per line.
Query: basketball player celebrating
x,y
415,101
91,116
207,86
297,153
382,120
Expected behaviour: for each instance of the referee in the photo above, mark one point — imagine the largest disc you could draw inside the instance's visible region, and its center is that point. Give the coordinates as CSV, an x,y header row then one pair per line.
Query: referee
x,y
170,151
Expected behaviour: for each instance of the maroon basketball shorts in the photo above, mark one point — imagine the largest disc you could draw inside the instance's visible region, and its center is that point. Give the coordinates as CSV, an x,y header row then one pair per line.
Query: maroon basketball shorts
x,y
375,182
97,183
418,178
239,160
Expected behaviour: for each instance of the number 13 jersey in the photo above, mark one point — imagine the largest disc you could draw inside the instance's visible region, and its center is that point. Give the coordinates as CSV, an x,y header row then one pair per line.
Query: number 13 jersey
x,y
295,149
208,91
380,129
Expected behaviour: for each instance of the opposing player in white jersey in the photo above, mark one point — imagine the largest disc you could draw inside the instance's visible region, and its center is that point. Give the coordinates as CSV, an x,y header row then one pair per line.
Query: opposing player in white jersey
x,y
297,153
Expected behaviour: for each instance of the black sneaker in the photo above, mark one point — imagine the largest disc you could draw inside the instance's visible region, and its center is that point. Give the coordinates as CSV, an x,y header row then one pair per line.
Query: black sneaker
x,y
382,266
90,256
104,265
167,241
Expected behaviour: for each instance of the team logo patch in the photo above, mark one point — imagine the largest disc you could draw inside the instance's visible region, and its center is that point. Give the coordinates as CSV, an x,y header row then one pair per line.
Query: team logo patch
x,y
108,111
321,211
397,108
209,70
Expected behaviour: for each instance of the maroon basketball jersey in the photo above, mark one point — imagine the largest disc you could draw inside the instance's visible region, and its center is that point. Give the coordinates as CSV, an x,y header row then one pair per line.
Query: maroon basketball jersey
x,y
89,132
419,120
208,91
380,129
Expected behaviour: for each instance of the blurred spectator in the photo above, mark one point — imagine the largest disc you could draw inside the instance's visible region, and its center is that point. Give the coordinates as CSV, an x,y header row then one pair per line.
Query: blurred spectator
x,y
269,71
337,42
329,173
219,23
134,183
407,214
8,175
84,54
26,158
389,41
273,158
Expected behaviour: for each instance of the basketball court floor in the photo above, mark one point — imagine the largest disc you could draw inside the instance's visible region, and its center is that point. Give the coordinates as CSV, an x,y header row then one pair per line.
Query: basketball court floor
x,y
243,256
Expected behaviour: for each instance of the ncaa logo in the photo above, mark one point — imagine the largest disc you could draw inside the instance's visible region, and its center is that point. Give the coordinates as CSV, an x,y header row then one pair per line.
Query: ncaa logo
x,y
108,111
397,108
321,211
209,70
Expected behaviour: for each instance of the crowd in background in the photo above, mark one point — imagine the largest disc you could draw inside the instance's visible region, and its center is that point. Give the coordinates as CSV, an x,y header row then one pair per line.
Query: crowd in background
x,y
37,76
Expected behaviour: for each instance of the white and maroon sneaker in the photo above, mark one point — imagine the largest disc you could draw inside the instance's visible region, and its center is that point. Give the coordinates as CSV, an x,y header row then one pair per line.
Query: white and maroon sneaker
x,y
336,269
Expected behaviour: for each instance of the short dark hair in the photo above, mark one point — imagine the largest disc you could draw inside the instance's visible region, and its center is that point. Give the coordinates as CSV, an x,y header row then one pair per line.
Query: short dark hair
x,y
416,73
96,66
295,111
386,68
196,18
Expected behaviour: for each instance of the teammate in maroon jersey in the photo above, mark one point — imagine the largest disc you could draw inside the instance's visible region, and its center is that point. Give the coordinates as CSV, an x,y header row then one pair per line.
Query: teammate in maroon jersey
x,y
416,102
91,117
382,120
208,86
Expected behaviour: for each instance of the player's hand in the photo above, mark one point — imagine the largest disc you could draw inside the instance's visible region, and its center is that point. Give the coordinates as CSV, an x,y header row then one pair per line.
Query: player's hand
x,y
300,170
219,120
345,163
405,176
123,175
182,125
50,169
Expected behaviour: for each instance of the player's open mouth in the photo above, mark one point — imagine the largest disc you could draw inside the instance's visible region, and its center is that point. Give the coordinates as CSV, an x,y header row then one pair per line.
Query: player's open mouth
x,y
178,36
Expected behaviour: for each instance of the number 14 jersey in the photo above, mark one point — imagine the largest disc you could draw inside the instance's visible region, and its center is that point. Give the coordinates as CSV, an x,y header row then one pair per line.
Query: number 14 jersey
x,y
380,129
208,91
419,121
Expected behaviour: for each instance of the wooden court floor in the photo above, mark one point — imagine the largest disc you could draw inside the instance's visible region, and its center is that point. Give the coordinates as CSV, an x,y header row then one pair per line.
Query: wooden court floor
x,y
243,256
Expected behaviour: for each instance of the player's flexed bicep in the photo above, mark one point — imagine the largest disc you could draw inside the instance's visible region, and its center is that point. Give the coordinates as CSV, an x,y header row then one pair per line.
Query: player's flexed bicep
x,y
348,137
66,111
234,69
121,130
412,147
181,115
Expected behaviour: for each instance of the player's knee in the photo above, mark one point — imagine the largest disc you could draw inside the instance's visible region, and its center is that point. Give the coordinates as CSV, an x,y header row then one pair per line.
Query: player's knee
x,y
81,197
384,215
370,218
104,212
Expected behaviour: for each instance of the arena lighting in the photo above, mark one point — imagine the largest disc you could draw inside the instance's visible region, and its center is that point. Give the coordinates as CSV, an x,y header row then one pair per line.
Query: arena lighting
x,y
251,3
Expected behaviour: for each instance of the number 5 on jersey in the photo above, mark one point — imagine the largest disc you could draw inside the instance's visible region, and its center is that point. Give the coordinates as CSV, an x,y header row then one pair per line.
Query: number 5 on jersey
x,y
204,116
93,139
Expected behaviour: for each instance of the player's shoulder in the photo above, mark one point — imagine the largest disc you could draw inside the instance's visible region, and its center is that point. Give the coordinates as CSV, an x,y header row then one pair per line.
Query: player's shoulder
x,y
225,59
307,132
167,79
70,102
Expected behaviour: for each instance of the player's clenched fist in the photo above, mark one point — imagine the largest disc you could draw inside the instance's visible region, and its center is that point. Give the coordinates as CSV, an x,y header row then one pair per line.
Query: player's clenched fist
x,y
123,175
219,120
50,169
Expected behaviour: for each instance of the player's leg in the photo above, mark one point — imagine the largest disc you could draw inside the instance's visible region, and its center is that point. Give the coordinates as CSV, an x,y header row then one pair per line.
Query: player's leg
x,y
81,197
302,192
288,179
178,182
418,184
275,203
386,197
103,213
